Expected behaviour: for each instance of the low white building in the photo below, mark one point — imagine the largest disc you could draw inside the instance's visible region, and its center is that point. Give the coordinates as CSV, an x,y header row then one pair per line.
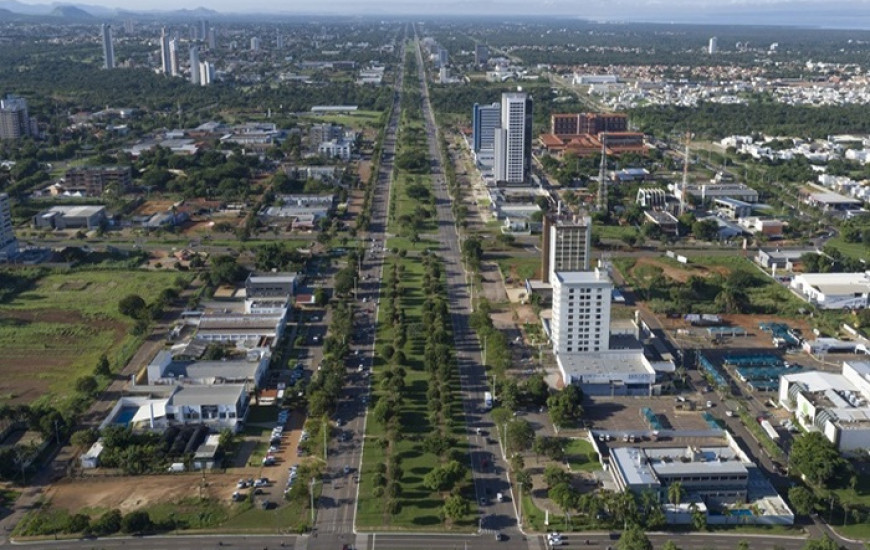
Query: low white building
x,y
834,290
838,405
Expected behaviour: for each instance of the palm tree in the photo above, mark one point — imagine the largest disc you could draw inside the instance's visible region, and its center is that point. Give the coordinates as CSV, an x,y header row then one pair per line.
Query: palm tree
x,y
676,493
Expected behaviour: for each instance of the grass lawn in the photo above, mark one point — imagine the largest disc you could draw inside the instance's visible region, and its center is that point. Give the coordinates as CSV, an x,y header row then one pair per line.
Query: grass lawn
x,y
67,321
859,531
614,231
581,456
524,268
356,120
860,496
853,250
420,507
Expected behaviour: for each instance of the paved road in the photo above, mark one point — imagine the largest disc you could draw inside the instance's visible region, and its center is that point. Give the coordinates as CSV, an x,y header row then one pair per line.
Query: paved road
x,y
337,504
488,467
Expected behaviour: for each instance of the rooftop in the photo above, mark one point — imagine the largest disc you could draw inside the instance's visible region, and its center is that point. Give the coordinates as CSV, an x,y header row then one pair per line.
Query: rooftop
x,y
601,364
195,396
583,277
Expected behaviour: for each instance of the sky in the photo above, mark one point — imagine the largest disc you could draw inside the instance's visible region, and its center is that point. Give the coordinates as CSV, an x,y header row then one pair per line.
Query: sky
x,y
825,13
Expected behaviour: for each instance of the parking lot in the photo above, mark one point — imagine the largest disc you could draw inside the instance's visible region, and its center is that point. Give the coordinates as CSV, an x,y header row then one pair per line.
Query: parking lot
x,y
624,413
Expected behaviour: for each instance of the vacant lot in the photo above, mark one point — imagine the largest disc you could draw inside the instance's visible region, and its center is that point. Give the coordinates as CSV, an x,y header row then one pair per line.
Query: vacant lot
x,y
56,331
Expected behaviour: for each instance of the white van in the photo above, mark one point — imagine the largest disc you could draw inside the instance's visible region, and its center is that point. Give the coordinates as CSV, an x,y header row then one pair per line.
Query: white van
x,y
499,497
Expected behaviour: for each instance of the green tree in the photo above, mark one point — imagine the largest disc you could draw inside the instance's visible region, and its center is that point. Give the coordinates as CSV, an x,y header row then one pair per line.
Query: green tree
x,y
108,523
86,385
564,496
699,518
565,407
524,478
633,538
676,493
456,507
103,368
825,543
132,306
705,230
802,499
670,545
137,521
816,458
520,435
83,439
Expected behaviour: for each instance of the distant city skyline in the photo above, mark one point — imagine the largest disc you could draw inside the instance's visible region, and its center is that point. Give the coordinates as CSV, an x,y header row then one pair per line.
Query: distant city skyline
x,y
817,13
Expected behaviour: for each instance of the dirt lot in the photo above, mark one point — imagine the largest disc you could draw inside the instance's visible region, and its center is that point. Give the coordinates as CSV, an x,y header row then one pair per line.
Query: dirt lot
x,y
132,493
151,207
680,274
623,413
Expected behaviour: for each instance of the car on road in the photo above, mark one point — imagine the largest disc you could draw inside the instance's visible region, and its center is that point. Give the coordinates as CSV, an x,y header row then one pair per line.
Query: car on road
x,y
482,501
498,536
346,470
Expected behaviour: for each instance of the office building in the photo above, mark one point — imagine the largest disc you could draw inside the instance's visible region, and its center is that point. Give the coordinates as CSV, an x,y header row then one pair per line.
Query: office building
x,y
255,44
713,46
165,56
279,40
15,121
485,120
513,140
206,73
203,29
93,181
173,57
581,311
194,65
212,39
8,242
108,48
838,405
70,217
443,57
481,54
567,125
566,244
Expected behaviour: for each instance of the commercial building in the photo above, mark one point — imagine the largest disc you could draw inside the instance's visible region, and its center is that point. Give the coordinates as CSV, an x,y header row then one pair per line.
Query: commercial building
x,y
206,73
567,125
336,148
93,181
108,47
173,58
253,331
270,285
732,208
8,242
719,481
325,132
566,243
481,54
255,44
834,290
513,140
767,227
653,198
70,217
485,120
165,369
586,145
215,406
581,311
837,405
194,65
712,191
15,121
713,46
165,56
788,259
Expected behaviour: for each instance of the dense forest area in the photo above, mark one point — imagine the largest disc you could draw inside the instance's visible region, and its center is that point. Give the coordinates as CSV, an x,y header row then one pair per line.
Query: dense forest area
x,y
716,120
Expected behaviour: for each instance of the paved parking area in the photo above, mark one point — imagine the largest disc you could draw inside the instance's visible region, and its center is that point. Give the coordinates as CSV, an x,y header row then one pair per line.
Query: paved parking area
x,y
624,413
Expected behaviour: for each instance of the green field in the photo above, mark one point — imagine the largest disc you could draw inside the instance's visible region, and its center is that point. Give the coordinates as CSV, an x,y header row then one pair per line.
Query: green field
x,y
357,120
420,507
524,268
56,331
581,456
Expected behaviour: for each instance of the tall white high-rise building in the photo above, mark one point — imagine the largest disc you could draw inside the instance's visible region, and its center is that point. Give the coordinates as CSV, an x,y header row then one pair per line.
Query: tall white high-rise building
x,y
8,242
194,65
15,120
513,140
165,60
581,312
108,48
713,46
566,244
173,57
255,44
206,73
279,40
